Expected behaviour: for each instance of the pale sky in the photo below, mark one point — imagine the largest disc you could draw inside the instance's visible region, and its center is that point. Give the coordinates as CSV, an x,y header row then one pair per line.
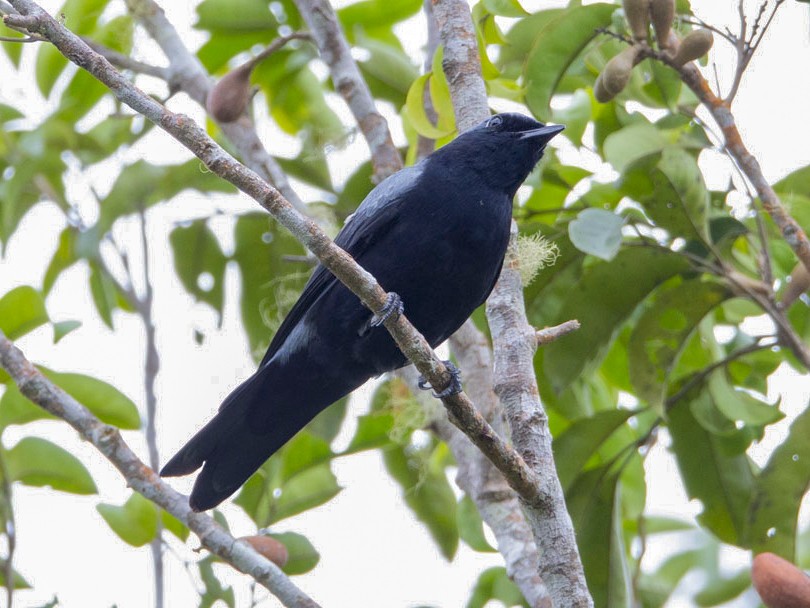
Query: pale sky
x,y
373,552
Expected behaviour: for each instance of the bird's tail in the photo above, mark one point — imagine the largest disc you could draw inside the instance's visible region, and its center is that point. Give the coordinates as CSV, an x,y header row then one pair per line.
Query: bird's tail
x,y
234,443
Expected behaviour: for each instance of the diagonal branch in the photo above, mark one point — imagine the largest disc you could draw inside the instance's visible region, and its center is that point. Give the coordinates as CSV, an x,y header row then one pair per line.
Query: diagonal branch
x,y
336,260
107,439
187,74
351,85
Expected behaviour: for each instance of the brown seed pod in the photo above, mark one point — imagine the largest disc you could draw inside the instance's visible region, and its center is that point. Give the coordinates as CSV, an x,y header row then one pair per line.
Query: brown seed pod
x,y
637,13
662,13
615,75
779,583
230,96
693,46
269,547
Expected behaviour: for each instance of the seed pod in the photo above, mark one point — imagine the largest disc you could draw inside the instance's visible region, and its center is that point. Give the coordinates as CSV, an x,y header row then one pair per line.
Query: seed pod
x,y
230,96
662,13
615,75
799,283
269,547
693,46
779,583
637,13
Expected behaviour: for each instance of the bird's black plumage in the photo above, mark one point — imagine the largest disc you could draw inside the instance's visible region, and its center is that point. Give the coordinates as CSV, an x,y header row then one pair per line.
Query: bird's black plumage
x,y
434,233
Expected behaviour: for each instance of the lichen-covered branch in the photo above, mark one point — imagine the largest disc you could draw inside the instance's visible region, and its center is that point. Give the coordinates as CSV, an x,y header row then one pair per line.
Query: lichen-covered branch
x,y
461,410
514,342
351,85
461,63
560,567
107,439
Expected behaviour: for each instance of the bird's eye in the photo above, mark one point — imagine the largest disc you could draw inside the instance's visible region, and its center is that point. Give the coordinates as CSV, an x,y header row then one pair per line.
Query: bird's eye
x,y
494,121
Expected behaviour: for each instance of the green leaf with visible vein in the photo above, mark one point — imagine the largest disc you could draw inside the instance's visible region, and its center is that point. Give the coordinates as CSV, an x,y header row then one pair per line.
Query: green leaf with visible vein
x,y
556,46
135,522
21,310
38,462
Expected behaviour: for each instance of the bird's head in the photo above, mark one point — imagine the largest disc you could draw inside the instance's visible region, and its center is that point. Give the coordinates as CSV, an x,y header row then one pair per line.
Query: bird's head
x,y
503,149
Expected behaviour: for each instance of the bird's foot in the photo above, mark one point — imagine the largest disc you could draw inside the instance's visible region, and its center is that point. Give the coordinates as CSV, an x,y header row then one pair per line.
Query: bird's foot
x,y
454,388
393,307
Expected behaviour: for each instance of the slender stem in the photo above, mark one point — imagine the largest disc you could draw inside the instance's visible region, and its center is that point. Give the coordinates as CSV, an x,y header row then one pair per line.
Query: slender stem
x,y
151,369
10,529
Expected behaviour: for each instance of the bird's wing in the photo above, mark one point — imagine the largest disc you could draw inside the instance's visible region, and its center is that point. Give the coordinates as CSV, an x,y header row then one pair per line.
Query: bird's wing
x,y
374,217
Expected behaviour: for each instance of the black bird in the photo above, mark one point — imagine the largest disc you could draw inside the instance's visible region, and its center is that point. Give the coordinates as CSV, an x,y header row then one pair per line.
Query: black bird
x,y
434,235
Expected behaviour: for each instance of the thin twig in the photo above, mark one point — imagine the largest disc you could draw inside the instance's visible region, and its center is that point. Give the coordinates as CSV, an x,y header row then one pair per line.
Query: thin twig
x,y
10,529
150,372
547,335
698,377
126,62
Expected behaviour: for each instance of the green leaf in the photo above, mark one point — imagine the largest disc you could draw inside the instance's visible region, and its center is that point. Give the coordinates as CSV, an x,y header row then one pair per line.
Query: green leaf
x,y
135,522
302,452
594,502
575,446
655,589
415,110
427,492
303,557
662,332
471,526
632,143
19,581
200,263
720,590
723,482
505,8
142,184
575,116
102,399
597,232
373,14
104,293
174,525
740,406
22,310
495,584
63,328
779,490
307,490
373,431
270,285
214,590
235,15
680,202
797,182
38,462
603,299
556,46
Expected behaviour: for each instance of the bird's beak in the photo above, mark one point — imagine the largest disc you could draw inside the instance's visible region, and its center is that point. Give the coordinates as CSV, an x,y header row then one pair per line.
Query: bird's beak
x,y
544,133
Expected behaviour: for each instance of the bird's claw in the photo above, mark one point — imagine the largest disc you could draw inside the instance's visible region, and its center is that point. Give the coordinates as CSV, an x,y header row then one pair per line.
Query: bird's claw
x,y
393,306
454,388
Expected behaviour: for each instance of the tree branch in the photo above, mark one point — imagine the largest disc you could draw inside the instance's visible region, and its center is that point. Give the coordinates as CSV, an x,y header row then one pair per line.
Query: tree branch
x,y
126,62
187,74
514,342
461,63
498,505
351,85
560,567
336,260
720,111
107,439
